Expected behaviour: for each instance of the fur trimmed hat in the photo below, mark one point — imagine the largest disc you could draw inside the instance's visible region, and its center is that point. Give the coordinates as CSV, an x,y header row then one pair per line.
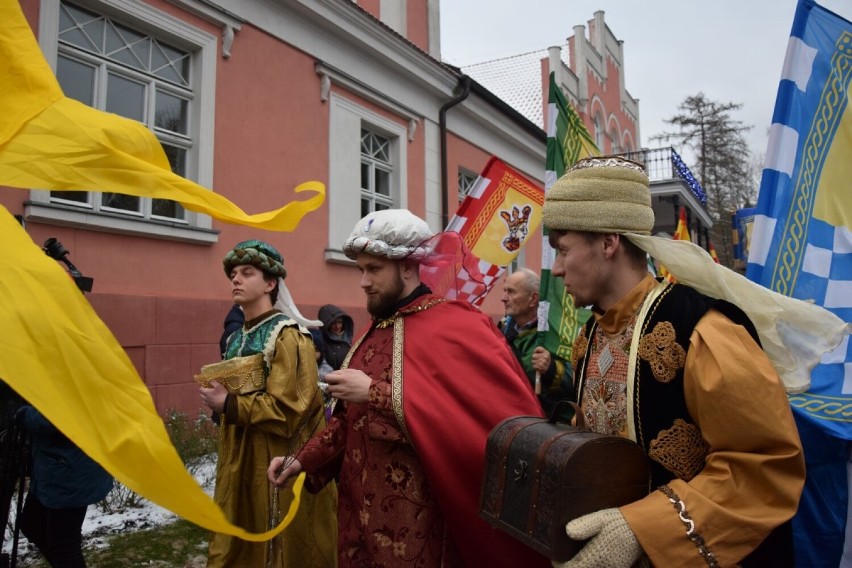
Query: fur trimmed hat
x,y
607,194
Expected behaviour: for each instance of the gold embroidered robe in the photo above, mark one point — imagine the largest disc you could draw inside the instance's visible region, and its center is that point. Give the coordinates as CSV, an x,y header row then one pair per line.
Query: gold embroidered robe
x,y
256,427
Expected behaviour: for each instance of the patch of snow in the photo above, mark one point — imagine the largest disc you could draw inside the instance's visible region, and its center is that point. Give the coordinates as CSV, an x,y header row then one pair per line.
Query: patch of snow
x,y
100,524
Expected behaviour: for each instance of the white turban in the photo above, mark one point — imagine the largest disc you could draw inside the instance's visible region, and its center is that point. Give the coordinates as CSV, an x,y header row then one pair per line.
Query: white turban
x,y
392,233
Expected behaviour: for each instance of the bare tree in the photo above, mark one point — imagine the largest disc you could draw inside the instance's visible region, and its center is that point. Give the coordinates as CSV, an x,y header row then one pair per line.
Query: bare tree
x,y
723,162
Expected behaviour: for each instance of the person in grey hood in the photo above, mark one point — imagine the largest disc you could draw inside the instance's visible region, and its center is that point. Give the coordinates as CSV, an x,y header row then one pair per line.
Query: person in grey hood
x,y
337,328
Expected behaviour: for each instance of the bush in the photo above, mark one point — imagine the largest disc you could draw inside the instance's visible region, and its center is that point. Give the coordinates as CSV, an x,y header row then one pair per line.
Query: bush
x,y
195,440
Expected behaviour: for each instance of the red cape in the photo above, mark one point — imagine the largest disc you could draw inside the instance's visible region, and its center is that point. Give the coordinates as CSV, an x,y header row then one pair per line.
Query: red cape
x,y
460,380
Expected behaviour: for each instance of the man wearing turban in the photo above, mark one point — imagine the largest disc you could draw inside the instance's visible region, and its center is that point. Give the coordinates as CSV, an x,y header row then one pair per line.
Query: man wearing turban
x,y
683,375
419,393
269,402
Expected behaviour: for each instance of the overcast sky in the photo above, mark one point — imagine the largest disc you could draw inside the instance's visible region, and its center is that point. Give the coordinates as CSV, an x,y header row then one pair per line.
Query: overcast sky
x,y
732,50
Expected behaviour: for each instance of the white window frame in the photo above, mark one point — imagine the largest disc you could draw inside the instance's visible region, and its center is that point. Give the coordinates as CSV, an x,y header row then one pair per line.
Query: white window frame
x,y
376,165
197,227
465,189
600,133
615,142
343,194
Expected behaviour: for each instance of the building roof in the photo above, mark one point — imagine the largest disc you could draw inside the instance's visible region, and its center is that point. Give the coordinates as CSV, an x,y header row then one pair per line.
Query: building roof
x,y
515,79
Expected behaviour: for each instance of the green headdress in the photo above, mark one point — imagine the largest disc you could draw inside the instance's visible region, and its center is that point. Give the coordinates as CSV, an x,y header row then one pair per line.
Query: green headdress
x,y
257,253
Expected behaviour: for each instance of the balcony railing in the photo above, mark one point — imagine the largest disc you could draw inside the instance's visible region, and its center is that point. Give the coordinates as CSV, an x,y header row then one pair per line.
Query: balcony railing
x,y
665,164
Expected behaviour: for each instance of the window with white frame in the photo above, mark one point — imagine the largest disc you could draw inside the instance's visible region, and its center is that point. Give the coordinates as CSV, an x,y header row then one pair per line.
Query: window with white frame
x,y
600,133
466,181
376,171
614,141
131,59
367,158
112,67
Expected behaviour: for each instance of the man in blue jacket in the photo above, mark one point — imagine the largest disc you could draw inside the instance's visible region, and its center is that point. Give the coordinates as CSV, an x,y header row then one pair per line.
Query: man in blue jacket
x,y
63,483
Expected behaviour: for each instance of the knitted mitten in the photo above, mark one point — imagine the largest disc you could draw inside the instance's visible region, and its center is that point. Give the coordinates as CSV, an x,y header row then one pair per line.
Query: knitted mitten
x,y
612,544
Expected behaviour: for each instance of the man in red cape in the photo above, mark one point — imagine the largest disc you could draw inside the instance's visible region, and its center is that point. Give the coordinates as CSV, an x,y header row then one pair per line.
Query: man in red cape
x,y
420,391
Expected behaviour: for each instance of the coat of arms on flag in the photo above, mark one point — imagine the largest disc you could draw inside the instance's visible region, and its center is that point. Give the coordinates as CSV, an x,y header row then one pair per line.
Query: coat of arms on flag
x,y
496,218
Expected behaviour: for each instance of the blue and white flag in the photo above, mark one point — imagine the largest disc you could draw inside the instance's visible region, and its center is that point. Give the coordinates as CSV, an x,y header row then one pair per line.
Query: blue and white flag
x,y
801,246
801,243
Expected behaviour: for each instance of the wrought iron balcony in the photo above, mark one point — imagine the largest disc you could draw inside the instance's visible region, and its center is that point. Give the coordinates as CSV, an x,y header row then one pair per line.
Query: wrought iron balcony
x,y
665,164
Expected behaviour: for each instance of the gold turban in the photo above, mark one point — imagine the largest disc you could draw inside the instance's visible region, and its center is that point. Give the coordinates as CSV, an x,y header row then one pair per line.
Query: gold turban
x,y
607,194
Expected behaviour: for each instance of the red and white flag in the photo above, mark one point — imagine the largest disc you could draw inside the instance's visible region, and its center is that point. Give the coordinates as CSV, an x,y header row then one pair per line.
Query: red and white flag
x,y
495,220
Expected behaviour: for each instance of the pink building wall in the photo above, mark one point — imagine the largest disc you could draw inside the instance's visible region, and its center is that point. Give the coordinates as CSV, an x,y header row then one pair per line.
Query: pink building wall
x,y
164,300
417,14
603,97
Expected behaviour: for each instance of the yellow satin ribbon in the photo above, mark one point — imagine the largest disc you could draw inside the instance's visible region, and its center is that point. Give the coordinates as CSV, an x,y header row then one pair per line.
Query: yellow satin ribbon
x,y
49,141
58,354
54,350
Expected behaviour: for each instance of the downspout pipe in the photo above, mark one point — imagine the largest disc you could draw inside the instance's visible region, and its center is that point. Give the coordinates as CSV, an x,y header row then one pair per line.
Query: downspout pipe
x,y
464,83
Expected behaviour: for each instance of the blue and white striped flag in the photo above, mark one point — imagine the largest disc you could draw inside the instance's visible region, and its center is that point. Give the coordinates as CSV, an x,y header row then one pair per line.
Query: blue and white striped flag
x,y
802,243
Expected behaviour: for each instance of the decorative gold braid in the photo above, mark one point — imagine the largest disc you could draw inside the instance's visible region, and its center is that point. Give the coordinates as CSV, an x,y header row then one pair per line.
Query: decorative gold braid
x,y
396,377
412,309
687,521
240,375
345,365
662,352
640,438
579,347
582,379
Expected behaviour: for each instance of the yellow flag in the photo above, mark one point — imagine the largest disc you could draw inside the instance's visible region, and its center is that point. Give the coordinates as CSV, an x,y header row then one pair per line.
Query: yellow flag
x,y
49,141
54,350
58,355
681,234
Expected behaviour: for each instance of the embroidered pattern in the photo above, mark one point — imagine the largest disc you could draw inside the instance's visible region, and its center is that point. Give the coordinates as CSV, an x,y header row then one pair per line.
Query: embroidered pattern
x,y
396,380
411,309
656,297
687,521
240,375
660,349
680,449
604,408
579,349
605,397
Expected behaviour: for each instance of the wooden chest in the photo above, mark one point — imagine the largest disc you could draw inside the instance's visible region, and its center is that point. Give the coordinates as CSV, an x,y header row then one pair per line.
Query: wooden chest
x,y
539,475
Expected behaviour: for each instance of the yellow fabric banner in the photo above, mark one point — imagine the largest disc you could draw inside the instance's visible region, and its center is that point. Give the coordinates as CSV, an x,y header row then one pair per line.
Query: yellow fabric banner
x,y
54,350
58,354
49,141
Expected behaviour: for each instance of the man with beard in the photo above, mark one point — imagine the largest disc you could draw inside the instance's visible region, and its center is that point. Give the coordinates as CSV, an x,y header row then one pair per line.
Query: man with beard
x,y
419,394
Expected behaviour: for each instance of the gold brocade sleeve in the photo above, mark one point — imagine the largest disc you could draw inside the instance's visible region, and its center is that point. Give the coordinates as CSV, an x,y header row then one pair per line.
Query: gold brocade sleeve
x,y
292,397
754,470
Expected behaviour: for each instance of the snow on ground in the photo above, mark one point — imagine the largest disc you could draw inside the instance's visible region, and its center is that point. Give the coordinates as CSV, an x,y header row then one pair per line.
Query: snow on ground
x,y
100,524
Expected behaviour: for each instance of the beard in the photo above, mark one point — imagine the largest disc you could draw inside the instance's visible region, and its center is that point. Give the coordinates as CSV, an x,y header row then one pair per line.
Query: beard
x,y
383,304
